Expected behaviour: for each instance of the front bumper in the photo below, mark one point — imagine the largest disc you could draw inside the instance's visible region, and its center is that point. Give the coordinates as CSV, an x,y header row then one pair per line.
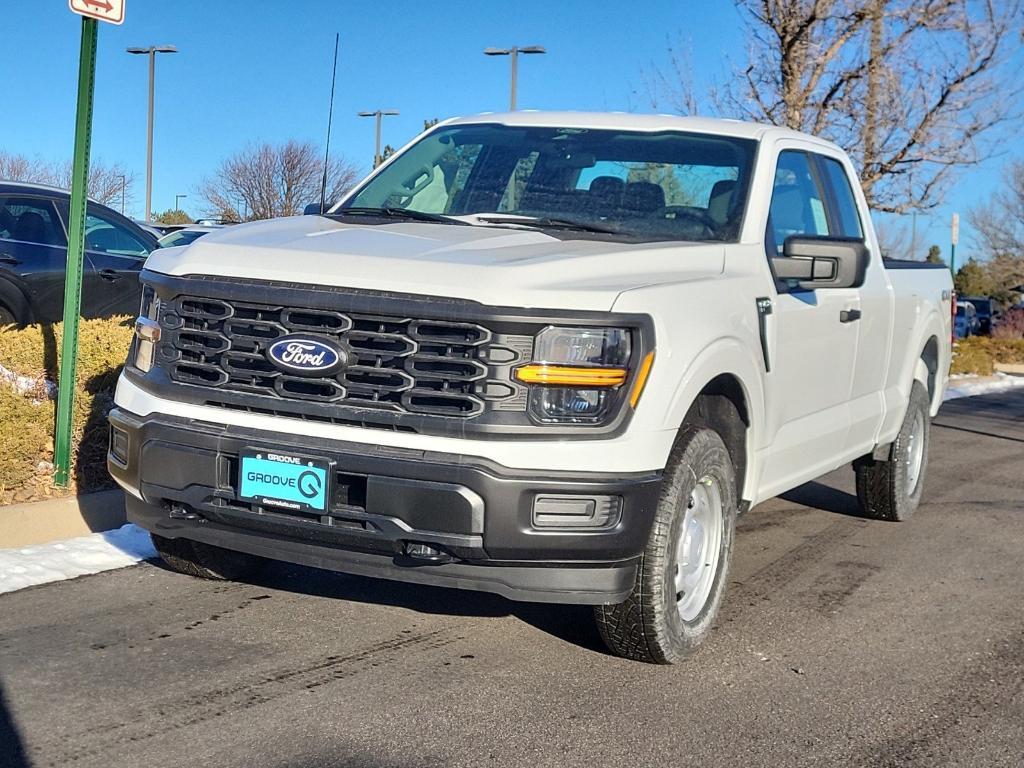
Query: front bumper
x,y
182,476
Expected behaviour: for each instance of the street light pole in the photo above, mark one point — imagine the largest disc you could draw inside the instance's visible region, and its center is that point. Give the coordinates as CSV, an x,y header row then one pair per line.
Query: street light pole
x,y
122,192
378,114
151,51
176,199
513,54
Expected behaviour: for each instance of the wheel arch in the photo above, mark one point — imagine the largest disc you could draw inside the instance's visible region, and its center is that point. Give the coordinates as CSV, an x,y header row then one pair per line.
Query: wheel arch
x,y
15,299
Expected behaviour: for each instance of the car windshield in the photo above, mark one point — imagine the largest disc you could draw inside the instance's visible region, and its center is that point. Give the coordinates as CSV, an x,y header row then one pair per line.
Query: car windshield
x,y
576,182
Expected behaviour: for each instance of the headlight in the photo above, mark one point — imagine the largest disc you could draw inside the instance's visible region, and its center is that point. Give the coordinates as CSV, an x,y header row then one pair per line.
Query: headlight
x,y
147,330
579,375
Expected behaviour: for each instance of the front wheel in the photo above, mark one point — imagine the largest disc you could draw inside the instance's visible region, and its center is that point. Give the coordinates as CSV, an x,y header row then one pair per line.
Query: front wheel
x,y
684,569
891,489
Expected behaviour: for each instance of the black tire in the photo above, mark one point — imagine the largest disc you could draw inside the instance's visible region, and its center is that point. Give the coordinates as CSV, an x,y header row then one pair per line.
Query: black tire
x,y
648,626
205,561
883,487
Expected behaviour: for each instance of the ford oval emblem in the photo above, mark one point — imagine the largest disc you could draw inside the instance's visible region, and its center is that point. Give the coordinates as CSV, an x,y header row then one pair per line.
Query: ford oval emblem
x,y
306,355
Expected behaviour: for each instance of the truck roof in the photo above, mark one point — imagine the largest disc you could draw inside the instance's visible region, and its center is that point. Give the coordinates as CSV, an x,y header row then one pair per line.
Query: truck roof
x,y
628,121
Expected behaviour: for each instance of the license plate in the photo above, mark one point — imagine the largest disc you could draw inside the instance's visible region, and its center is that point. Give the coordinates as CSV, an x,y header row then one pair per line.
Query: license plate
x,y
284,480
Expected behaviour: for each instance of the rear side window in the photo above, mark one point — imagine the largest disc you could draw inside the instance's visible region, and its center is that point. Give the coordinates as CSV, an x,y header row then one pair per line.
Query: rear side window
x,y
30,220
798,201
110,237
846,218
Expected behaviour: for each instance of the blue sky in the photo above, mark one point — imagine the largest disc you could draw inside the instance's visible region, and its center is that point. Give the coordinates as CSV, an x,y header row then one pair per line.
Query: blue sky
x,y
260,71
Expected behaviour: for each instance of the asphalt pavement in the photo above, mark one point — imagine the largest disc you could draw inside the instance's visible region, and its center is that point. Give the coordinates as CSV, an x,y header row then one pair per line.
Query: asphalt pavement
x,y
842,642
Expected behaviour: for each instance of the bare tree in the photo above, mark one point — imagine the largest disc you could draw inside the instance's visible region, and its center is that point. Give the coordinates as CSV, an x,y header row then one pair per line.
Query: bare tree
x,y
999,228
106,183
999,223
910,88
264,181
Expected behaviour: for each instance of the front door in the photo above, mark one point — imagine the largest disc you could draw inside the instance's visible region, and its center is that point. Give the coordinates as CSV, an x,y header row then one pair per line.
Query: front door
x,y
813,349
115,257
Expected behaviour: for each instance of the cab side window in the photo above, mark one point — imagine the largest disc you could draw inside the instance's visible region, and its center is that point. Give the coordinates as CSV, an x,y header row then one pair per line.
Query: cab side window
x,y
106,236
30,220
798,200
847,220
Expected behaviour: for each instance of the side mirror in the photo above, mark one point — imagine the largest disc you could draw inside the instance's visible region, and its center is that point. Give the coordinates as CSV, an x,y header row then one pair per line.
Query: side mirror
x,y
822,262
313,209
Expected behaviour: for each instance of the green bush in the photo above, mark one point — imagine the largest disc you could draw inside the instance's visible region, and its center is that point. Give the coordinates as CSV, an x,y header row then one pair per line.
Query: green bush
x,y
27,420
979,354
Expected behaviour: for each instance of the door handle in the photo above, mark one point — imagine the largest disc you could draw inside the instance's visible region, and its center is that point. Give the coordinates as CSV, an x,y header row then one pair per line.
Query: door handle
x,y
110,274
7,259
849,315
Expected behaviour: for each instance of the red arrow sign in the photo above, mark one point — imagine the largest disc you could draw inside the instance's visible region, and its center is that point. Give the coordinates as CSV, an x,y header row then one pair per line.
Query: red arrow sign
x,y
111,11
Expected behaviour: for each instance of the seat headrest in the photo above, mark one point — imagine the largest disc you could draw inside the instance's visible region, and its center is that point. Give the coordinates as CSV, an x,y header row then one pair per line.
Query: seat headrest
x,y
643,197
720,201
31,228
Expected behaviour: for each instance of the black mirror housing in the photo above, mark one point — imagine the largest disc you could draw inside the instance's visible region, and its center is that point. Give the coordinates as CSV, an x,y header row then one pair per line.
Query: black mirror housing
x,y
313,209
822,262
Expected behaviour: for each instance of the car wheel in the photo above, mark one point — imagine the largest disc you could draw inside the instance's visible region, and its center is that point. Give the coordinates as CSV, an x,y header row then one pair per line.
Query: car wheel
x,y
891,489
684,568
205,561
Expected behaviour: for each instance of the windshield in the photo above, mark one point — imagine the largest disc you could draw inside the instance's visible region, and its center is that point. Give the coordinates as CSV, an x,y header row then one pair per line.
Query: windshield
x,y
649,186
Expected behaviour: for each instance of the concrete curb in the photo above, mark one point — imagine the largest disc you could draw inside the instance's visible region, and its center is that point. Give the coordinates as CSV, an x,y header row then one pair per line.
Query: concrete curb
x,y
1013,369
40,522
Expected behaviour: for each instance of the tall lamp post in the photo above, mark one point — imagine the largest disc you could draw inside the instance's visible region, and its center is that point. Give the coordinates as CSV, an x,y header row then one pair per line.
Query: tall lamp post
x,y
176,199
514,53
123,185
378,114
151,51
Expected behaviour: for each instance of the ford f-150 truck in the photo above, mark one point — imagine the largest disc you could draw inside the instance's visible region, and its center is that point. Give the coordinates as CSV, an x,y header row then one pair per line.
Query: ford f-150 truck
x,y
547,355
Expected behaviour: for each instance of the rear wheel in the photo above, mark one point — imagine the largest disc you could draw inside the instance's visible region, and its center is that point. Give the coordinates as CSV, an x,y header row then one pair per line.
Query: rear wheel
x,y
205,561
891,489
684,569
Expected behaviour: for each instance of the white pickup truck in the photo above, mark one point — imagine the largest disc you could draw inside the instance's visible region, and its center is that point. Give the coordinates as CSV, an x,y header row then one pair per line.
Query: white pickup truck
x,y
547,355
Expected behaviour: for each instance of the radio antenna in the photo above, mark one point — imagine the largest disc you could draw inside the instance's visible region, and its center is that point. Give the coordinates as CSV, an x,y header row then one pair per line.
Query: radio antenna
x,y
330,116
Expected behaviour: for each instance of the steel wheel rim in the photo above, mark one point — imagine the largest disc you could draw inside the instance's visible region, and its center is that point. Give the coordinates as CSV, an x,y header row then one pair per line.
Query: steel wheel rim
x,y
698,548
915,453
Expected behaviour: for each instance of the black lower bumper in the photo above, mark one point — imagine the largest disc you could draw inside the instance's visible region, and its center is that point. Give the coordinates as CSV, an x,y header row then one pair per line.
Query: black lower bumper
x,y
475,517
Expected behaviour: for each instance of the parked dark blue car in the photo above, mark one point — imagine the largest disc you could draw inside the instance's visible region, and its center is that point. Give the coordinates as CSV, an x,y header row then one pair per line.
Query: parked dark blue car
x,y
33,254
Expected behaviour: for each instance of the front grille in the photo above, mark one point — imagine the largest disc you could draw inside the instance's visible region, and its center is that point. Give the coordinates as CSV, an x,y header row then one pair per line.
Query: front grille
x,y
397,364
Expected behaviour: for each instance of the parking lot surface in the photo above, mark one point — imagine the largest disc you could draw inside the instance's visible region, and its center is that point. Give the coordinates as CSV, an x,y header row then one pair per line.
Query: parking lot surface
x,y
842,642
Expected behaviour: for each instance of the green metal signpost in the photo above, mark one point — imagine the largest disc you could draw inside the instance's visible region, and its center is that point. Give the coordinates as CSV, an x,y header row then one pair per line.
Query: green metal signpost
x,y
76,242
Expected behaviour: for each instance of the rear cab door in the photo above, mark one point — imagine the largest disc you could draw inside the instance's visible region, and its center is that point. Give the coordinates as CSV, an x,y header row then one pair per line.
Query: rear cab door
x,y
33,251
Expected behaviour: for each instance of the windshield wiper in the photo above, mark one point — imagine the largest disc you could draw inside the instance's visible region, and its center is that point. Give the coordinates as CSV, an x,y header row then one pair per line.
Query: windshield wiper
x,y
547,222
398,213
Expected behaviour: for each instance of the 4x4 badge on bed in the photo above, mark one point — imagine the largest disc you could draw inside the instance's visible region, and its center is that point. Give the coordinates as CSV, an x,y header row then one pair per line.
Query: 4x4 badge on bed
x,y
306,355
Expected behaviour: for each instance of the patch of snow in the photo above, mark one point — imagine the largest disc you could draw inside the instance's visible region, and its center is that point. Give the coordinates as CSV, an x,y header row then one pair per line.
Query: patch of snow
x,y
25,385
27,566
969,386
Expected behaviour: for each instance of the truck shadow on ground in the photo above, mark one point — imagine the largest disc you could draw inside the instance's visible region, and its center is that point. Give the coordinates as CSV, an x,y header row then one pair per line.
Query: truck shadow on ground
x,y
12,750
571,623
820,496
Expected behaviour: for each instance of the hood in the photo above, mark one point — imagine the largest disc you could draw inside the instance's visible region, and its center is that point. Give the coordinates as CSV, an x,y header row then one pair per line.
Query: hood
x,y
491,265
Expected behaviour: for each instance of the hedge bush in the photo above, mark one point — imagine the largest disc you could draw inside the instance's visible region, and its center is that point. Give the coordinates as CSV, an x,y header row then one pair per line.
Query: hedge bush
x,y
27,420
979,354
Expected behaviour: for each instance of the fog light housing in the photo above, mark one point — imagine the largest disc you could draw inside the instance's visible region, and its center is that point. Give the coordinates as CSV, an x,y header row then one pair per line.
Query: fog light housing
x,y
572,512
119,445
